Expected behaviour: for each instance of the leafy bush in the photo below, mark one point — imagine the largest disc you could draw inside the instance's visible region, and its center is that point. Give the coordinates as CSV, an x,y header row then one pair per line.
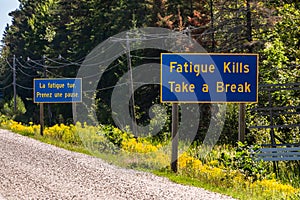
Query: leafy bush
x,y
64,133
228,168
114,135
238,172
243,161
20,128
138,146
94,139
8,108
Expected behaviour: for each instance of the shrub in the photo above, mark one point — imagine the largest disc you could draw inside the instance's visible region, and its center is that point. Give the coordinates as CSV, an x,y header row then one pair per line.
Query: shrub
x,y
8,108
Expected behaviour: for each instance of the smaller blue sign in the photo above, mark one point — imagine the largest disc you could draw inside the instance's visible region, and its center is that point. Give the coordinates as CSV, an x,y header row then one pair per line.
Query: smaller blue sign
x,y
57,90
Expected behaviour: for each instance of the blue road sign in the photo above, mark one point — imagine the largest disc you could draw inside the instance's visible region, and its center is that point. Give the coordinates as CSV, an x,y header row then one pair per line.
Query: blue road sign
x,y
57,90
209,78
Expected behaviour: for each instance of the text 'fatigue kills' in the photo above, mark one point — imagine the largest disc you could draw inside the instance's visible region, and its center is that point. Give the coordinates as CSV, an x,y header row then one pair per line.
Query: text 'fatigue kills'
x,y
204,68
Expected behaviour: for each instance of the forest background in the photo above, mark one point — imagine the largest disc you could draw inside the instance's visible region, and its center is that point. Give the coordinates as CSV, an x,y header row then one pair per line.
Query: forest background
x,y
52,37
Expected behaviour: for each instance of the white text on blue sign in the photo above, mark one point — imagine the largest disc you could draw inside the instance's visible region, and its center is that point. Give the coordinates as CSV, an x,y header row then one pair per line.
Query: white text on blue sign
x,y
57,90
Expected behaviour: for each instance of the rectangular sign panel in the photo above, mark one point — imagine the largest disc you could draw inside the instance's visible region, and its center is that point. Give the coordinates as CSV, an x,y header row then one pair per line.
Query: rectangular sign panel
x,y
209,78
57,90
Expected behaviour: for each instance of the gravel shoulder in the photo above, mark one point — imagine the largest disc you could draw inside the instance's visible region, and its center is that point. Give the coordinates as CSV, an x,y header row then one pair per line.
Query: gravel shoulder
x,y
30,169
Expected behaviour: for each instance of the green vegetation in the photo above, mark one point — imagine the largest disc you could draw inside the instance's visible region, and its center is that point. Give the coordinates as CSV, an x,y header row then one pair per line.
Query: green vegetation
x,y
228,170
57,35
8,108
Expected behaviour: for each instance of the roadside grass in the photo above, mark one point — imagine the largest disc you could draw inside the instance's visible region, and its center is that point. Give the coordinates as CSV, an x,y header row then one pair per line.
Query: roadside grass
x,y
241,192
219,172
185,180
63,145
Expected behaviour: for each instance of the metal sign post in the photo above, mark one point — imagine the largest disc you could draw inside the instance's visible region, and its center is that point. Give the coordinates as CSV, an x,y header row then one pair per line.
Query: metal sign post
x,y
174,155
242,122
207,78
42,121
67,90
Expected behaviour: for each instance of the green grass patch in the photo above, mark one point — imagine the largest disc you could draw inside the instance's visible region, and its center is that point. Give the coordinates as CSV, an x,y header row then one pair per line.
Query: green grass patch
x,y
185,180
225,170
